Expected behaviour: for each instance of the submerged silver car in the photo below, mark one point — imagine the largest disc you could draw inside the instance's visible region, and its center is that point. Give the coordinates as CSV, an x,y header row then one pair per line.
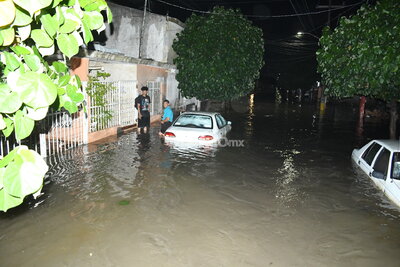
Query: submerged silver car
x,y
380,160
198,128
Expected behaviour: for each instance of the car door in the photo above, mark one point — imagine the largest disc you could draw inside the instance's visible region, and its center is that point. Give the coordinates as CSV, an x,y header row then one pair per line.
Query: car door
x,y
220,126
393,180
380,168
367,158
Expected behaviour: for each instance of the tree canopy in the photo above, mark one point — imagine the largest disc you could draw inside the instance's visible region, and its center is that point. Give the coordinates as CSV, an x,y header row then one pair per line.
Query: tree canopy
x,y
219,55
361,56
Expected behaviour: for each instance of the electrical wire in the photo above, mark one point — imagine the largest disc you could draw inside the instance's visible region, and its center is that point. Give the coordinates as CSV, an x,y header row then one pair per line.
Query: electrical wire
x,y
299,17
269,16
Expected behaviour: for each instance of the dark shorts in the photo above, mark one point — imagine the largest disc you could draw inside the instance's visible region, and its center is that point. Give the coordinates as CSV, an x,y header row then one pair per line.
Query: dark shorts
x,y
165,126
145,120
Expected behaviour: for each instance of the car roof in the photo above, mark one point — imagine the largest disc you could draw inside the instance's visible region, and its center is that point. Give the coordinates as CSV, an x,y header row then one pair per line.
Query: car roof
x,y
200,113
393,145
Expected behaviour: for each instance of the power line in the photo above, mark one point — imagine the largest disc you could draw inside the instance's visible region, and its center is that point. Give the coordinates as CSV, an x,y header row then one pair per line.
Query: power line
x,y
299,18
270,16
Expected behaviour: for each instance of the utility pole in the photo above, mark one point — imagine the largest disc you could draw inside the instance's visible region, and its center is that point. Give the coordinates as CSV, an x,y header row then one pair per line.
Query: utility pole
x,y
142,29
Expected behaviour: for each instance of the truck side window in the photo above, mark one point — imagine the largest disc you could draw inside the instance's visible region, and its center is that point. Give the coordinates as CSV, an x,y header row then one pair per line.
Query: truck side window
x,y
382,162
370,153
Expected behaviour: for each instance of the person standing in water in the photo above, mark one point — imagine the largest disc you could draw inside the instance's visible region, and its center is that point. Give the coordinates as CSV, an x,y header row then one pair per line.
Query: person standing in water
x,y
142,103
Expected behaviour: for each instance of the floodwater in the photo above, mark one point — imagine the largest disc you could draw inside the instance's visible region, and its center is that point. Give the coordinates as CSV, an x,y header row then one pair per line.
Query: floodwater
x,y
289,197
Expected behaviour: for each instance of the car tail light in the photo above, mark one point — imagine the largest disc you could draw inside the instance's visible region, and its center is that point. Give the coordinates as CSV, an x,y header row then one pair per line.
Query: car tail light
x,y
169,134
206,137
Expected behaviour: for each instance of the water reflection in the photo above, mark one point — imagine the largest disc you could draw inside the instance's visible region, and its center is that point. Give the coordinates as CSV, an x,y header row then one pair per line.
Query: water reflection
x,y
290,197
250,117
287,181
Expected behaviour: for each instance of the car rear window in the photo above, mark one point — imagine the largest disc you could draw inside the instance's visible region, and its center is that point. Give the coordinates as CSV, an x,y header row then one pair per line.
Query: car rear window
x,y
194,121
370,153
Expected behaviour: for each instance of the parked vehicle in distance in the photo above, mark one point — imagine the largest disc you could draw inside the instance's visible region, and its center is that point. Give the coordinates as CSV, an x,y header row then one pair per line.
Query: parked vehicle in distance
x,y
198,128
380,160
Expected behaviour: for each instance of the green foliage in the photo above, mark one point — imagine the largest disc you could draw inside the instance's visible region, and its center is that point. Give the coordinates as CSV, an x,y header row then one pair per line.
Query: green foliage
x,y
219,55
97,89
361,56
29,85
21,174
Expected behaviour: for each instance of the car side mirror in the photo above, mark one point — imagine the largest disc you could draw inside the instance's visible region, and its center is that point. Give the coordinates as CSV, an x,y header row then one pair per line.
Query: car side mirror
x,y
378,175
229,123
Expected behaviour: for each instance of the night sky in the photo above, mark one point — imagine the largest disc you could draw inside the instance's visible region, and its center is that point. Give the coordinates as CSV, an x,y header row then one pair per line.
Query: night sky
x,y
289,58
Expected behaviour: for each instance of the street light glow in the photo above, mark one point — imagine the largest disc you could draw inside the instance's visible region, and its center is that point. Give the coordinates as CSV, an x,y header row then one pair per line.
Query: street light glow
x,y
307,33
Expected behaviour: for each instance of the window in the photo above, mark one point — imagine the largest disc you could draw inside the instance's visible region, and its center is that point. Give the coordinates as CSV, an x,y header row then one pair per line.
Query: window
x,y
194,121
221,122
382,162
396,166
370,153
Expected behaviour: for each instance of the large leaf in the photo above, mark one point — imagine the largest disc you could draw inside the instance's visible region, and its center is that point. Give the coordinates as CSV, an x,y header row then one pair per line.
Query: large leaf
x,y
8,158
23,125
33,6
94,19
109,15
9,101
32,61
97,5
2,170
64,80
7,12
9,127
68,44
24,175
22,18
7,35
59,16
7,201
36,90
46,51
50,24
20,50
60,67
41,38
87,33
12,62
71,107
68,26
2,122
74,94
37,114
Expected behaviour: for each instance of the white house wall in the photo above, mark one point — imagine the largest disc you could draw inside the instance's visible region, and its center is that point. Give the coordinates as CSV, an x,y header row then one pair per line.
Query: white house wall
x,y
123,35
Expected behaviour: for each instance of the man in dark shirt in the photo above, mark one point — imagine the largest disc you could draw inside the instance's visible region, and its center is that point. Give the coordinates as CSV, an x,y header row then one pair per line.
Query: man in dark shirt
x,y
142,103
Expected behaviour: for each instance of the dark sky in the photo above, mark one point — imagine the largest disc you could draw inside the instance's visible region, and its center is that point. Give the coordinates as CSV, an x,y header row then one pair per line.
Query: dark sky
x,y
289,56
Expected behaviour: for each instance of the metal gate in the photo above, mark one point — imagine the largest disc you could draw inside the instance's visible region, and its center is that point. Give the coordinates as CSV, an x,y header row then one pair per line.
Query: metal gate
x,y
58,132
155,97
119,108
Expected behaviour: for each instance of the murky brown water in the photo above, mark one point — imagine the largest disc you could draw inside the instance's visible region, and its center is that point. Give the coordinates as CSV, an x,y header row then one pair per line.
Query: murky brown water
x,y
290,197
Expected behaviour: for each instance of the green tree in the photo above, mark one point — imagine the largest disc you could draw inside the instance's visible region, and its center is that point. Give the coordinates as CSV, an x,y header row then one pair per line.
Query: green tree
x,y
219,55
361,56
30,30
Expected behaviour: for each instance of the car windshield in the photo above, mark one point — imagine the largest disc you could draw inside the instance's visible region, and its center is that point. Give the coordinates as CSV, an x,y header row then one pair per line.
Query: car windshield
x,y
194,121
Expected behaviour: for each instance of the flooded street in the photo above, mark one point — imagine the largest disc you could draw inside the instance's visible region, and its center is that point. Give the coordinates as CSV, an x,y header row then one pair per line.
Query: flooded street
x,y
289,197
